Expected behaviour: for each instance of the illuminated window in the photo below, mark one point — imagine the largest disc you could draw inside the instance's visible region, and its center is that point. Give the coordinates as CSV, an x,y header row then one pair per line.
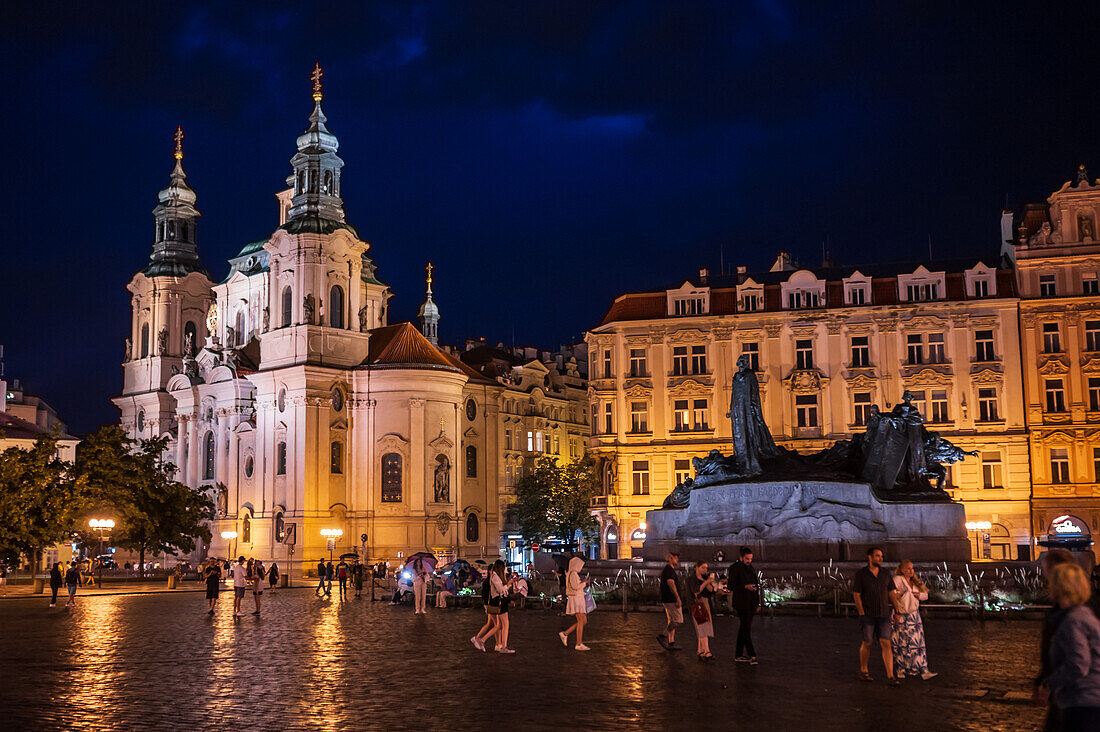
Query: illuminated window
x,y
680,415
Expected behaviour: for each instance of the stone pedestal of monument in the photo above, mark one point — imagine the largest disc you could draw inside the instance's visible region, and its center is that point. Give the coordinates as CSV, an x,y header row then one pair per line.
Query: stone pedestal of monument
x,y
806,521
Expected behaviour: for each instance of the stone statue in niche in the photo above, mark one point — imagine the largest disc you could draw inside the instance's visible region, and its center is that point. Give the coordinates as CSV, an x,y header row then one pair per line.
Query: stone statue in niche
x,y
188,345
442,479
162,342
223,500
267,319
310,306
1085,227
364,319
191,368
230,335
128,350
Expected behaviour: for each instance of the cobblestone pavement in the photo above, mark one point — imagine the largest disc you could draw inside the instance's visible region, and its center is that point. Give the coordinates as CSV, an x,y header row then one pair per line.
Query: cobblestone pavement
x,y
160,662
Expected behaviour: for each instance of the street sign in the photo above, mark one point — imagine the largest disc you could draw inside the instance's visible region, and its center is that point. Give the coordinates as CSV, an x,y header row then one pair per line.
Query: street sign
x,y
288,535
363,537
534,546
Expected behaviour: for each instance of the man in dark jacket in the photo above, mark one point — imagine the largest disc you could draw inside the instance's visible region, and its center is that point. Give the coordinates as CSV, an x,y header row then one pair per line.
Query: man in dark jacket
x,y
322,570
744,582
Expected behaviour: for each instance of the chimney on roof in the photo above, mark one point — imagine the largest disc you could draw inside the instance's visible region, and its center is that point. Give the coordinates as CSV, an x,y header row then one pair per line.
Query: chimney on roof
x,y
704,273
1008,244
742,269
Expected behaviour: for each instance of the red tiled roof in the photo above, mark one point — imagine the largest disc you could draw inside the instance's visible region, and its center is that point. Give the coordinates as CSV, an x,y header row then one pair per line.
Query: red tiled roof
x,y
14,428
404,345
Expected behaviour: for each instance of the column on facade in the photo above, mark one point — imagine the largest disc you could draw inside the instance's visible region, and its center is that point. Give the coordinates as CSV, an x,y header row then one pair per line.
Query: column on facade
x,y
417,453
659,368
724,365
834,417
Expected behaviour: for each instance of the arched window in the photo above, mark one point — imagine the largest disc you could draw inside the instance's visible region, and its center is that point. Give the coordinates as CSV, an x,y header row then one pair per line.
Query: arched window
x,y
336,307
337,463
328,183
301,187
208,456
471,461
280,459
473,531
141,421
280,527
313,181
288,296
391,478
240,328
246,530
190,329
183,231
145,340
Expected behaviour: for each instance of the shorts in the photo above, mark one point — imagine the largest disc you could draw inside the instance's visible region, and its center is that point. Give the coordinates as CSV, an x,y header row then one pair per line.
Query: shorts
x,y
674,612
238,592
872,628
72,590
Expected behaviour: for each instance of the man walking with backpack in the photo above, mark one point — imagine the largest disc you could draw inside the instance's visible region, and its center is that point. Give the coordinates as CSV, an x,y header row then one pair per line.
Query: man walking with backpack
x,y
321,571
744,582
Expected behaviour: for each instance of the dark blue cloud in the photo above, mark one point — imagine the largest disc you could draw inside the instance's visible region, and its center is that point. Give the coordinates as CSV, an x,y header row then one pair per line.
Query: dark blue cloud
x,y
546,155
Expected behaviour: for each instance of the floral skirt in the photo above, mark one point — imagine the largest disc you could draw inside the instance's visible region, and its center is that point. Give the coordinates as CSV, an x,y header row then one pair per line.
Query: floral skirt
x,y
910,656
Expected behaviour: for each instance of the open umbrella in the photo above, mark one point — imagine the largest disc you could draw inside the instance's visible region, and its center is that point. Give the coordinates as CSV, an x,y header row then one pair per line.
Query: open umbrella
x,y
426,558
350,555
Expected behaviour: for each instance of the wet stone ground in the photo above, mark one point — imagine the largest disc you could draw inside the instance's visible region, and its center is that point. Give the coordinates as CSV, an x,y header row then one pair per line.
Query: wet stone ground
x,y
153,662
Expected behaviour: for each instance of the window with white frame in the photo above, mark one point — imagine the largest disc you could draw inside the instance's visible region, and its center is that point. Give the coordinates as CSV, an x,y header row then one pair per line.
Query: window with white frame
x,y
680,416
681,470
861,407
637,362
608,422
856,294
935,350
987,405
508,439
1047,286
539,442
799,299
803,290
751,302
607,372
1052,341
679,360
919,401
640,477
805,406
914,345
991,470
804,354
698,359
1096,464
1055,395
981,287
916,292
1089,285
1059,465
861,351
690,306
699,412
939,406
1092,335
752,353
983,346
639,417
1094,394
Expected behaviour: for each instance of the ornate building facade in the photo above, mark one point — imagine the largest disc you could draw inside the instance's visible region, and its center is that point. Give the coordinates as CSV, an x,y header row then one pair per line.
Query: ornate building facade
x,y
287,393
1057,257
826,343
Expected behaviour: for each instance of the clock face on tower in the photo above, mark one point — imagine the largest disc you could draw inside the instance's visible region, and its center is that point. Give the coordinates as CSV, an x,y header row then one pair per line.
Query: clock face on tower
x,y
212,318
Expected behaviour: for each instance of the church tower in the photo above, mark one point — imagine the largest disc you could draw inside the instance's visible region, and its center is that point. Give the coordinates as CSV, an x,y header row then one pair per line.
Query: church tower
x,y
429,313
169,301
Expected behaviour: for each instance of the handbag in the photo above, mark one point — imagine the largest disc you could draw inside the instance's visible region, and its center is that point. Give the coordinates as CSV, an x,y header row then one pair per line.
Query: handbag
x,y
493,607
589,601
700,611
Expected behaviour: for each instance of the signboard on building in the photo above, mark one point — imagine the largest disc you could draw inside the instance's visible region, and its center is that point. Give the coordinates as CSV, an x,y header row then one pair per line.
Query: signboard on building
x,y
289,534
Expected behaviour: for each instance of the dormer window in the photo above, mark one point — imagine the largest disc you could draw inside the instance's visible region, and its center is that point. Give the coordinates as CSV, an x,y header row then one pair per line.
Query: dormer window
x,y
750,296
981,281
751,303
923,291
803,290
802,299
857,289
922,285
688,300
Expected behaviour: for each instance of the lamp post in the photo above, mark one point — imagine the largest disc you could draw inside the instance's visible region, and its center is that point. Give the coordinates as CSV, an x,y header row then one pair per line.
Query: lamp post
x,y
231,536
331,535
976,527
101,527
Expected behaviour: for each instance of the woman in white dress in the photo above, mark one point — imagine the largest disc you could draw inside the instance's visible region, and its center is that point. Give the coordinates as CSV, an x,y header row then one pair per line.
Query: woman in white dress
x,y
576,604
907,641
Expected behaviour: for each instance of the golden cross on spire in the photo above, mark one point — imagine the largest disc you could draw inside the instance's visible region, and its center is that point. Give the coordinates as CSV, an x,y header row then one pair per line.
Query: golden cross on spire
x,y
315,77
178,137
430,267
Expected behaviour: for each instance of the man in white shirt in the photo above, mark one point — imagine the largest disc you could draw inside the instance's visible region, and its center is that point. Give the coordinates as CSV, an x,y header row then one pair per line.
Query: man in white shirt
x,y
239,573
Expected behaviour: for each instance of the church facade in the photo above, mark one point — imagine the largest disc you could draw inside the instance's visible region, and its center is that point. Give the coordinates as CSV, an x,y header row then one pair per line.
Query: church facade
x,y
286,392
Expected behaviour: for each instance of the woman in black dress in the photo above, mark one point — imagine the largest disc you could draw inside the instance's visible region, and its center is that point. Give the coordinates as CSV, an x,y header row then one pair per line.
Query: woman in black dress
x,y
213,582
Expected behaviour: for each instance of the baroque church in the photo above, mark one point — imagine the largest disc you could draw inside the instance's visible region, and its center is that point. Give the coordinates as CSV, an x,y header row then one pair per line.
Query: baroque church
x,y
286,392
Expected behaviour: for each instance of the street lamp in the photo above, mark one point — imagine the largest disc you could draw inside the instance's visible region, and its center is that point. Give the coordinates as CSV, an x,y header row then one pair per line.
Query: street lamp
x,y
976,527
331,535
231,536
101,527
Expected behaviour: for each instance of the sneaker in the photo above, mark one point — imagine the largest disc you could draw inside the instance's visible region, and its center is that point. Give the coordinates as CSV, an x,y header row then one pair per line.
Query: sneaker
x,y
581,647
929,675
742,659
52,605
255,612
753,661
505,650
478,643
563,636
674,647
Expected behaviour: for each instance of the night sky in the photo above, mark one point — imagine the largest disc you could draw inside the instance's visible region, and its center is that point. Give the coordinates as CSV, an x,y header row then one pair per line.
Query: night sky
x,y
547,156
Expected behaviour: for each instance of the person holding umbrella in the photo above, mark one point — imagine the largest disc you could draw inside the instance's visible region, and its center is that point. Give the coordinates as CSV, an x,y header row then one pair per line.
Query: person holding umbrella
x,y
576,604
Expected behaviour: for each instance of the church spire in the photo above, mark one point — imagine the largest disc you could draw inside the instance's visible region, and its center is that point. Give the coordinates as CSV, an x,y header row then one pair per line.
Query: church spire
x,y
429,312
316,165
174,250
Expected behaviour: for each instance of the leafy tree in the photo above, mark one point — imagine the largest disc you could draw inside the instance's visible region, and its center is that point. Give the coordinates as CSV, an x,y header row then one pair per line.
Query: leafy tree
x,y
153,512
39,503
555,500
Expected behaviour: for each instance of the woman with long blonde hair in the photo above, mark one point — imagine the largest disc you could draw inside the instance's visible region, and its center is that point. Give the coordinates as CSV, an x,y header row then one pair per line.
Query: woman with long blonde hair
x,y
1074,679
907,641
